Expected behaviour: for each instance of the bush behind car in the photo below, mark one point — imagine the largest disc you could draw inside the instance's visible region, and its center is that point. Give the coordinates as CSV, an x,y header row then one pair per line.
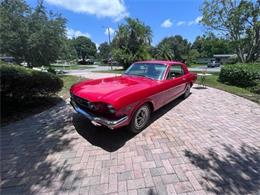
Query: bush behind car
x,y
18,83
242,75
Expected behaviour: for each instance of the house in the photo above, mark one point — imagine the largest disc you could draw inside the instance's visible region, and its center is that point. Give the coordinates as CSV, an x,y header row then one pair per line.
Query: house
x,y
224,58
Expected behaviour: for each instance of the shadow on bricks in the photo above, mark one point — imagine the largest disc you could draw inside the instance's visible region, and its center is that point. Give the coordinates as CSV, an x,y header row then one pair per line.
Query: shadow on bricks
x,y
236,172
30,151
112,140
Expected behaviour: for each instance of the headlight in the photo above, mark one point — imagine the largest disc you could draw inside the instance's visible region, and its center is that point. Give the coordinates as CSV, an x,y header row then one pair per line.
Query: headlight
x,y
92,106
111,109
103,107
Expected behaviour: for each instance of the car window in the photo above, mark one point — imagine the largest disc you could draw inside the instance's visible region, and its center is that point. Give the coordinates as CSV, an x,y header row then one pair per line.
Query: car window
x,y
175,71
150,70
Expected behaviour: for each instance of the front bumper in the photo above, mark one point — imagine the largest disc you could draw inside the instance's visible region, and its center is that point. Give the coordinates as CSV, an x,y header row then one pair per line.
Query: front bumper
x,y
111,124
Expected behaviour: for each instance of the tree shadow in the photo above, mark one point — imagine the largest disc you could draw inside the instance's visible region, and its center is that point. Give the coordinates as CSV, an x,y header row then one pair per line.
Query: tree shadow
x,y
236,173
12,111
112,140
33,153
200,87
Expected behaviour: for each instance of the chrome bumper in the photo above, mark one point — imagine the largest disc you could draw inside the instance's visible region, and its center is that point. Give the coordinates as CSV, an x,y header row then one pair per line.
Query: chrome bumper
x,y
111,124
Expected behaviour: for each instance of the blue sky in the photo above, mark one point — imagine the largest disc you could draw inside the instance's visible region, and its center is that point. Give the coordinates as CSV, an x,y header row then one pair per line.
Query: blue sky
x,y
165,17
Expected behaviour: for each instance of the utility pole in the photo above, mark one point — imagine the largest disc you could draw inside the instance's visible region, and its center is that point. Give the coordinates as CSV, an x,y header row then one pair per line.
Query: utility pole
x,y
109,42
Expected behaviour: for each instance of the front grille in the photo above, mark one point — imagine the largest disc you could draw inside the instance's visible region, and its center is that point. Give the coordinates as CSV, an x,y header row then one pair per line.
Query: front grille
x,y
82,103
85,105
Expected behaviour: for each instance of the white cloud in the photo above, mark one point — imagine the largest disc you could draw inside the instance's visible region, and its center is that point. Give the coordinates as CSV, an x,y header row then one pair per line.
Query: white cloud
x,y
166,23
198,19
101,8
75,33
189,23
111,30
181,23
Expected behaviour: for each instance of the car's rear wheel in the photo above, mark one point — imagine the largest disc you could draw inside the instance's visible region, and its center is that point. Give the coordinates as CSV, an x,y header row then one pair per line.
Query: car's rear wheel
x,y
187,91
140,119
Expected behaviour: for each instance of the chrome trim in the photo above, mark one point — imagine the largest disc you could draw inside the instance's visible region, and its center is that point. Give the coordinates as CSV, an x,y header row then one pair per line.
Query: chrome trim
x,y
111,124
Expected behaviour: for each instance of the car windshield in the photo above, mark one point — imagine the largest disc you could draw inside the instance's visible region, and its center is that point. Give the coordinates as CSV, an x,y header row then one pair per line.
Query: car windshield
x,y
149,70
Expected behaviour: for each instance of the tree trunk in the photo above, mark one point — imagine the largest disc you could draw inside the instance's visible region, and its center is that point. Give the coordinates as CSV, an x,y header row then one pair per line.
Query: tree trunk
x,y
240,55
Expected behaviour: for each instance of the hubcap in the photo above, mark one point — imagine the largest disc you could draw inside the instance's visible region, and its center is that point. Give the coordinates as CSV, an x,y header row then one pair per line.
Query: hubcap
x,y
187,91
141,117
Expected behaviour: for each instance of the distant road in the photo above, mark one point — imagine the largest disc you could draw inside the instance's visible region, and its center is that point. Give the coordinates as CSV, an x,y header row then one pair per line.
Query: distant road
x,y
202,68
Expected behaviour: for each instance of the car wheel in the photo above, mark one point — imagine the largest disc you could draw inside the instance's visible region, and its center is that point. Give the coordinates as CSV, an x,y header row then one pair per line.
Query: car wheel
x,y
140,119
187,91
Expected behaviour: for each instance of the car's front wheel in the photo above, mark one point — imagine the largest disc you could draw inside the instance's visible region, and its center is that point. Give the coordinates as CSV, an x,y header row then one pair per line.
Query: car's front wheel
x,y
140,119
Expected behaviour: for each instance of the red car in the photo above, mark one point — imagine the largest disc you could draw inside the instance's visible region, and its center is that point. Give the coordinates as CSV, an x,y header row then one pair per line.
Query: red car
x,y
128,100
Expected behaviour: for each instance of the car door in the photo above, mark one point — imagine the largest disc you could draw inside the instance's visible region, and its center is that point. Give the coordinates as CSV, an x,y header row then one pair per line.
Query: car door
x,y
177,80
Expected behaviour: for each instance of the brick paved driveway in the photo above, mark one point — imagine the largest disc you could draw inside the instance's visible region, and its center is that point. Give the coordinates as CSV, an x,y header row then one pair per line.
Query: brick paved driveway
x,y
208,143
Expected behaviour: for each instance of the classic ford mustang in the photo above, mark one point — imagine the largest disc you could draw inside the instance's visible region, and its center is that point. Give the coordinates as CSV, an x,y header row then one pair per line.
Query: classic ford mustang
x,y
129,99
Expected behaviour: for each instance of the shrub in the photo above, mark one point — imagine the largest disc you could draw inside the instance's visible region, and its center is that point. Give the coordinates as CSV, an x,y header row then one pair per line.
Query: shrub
x,y
243,75
20,83
51,70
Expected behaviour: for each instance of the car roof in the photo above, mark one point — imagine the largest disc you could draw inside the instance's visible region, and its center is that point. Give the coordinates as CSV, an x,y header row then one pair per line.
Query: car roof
x,y
167,62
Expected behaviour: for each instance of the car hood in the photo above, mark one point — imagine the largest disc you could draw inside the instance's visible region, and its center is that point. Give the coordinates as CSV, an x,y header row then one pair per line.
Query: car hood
x,y
110,89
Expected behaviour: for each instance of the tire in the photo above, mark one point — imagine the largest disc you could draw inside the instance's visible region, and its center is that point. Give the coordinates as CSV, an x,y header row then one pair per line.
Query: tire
x,y
140,119
187,92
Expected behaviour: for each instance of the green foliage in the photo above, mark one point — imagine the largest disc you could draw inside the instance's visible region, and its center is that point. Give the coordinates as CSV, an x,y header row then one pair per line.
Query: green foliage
x,y
51,70
239,21
46,37
67,50
131,42
18,83
85,47
34,36
243,75
14,31
164,52
192,56
174,47
208,45
104,50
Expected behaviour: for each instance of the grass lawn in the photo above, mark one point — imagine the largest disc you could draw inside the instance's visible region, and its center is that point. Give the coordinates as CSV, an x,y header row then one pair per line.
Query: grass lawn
x,y
212,81
195,65
68,81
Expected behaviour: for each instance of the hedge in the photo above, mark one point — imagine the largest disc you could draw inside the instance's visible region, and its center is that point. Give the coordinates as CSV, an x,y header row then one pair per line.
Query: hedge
x,y
242,75
18,82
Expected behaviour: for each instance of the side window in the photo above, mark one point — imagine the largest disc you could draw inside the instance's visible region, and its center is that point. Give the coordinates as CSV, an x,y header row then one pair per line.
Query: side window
x,y
175,71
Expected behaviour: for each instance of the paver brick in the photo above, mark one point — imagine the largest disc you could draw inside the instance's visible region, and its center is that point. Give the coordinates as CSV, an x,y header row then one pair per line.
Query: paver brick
x,y
191,147
183,187
135,184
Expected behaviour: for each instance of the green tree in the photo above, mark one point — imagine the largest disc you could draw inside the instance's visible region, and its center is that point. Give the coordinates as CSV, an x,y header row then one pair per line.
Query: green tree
x,y
208,45
47,33
14,28
239,21
104,50
192,56
131,42
174,47
85,47
34,36
67,50
164,52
